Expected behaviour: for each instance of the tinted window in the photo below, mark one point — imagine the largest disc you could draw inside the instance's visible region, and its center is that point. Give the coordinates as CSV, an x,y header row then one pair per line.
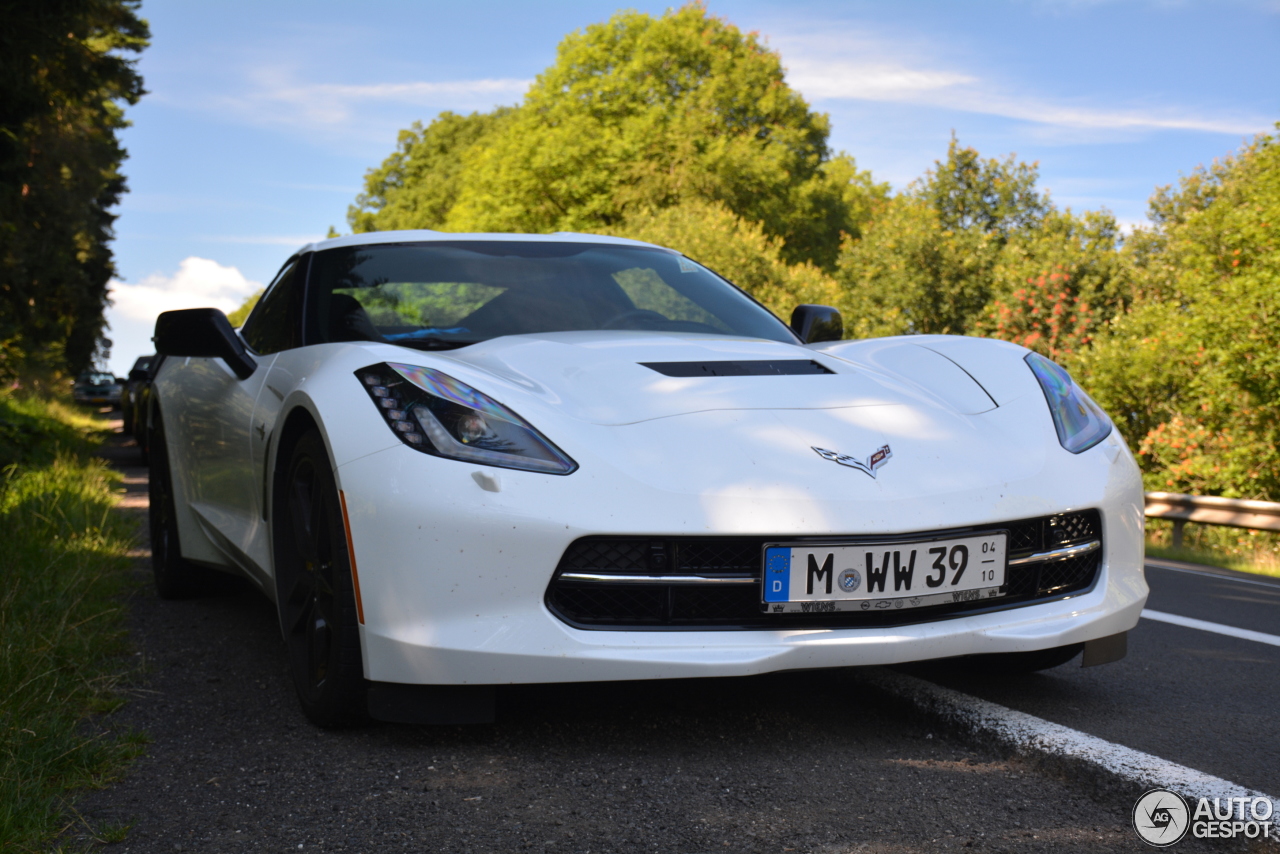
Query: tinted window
x,y
272,325
453,293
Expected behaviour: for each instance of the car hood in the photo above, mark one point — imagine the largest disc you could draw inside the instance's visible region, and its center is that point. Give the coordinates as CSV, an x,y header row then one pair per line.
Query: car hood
x,y
764,437
602,378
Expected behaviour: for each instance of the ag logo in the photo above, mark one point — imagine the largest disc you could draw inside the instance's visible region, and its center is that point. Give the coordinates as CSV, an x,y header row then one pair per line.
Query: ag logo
x,y
1161,818
867,466
849,580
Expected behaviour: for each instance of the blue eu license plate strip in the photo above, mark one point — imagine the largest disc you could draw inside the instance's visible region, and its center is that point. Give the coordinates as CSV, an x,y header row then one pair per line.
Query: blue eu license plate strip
x,y
777,574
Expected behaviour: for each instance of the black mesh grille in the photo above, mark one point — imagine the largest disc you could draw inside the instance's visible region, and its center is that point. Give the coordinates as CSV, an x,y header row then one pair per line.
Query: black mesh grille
x,y
1022,580
718,556
599,554
1072,528
737,605
1026,536
601,604
712,604
1066,575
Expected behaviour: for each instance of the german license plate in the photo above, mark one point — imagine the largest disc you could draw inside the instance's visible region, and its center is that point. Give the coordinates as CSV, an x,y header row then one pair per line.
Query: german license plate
x,y
825,577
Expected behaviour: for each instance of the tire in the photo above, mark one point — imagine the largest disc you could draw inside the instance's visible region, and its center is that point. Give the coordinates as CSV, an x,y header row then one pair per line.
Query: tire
x,y
175,577
142,435
315,592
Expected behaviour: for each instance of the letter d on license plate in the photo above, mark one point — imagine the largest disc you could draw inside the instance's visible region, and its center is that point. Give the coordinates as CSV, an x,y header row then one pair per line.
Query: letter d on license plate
x,y
817,577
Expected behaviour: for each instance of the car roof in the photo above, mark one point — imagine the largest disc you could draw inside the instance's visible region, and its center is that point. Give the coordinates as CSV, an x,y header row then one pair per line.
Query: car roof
x,y
425,236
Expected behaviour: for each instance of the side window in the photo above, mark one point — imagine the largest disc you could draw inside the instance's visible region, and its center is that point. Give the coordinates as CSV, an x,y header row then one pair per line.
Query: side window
x,y
272,325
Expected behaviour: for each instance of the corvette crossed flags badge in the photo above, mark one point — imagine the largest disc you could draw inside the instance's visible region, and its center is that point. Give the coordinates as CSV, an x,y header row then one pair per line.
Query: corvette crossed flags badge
x,y
873,462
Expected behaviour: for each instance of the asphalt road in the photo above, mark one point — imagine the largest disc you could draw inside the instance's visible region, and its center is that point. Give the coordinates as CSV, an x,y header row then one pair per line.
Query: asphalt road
x,y
804,762
1197,698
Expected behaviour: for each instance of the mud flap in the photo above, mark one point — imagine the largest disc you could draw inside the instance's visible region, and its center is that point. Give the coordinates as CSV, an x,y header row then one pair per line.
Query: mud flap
x,y
1105,650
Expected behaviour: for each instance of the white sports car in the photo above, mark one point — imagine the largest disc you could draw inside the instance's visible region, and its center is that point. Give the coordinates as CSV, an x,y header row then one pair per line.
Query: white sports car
x,y
460,461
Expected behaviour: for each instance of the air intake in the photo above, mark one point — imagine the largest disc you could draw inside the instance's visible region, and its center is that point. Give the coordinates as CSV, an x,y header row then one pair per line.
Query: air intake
x,y
773,368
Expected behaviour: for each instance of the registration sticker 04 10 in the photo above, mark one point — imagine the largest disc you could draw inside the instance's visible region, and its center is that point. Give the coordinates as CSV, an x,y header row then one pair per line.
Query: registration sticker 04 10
x,y
824,577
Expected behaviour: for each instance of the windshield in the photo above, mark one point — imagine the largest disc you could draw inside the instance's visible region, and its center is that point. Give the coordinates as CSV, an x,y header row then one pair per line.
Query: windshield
x,y
93,378
441,295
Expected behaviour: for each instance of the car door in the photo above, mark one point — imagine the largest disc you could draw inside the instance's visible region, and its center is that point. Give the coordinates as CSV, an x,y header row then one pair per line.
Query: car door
x,y
218,416
274,327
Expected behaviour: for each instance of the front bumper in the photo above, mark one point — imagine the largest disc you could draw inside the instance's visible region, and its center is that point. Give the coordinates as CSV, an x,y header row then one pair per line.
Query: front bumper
x,y
454,561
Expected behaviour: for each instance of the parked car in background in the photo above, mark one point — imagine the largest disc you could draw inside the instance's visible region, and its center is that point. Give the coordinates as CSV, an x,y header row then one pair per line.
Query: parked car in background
x,y
97,388
139,375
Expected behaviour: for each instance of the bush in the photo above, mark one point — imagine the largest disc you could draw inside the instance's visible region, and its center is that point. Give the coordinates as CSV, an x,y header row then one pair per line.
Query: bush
x,y
1192,371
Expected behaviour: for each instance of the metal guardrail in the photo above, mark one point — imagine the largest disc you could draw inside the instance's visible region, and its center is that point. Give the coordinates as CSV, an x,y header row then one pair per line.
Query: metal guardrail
x,y
1207,510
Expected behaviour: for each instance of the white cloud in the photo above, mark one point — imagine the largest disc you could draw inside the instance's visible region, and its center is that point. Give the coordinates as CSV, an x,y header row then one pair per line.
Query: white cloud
x,y
819,67
199,282
872,81
275,96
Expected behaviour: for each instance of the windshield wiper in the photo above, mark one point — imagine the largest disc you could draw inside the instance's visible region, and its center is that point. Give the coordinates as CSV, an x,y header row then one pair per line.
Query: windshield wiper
x,y
430,338
433,342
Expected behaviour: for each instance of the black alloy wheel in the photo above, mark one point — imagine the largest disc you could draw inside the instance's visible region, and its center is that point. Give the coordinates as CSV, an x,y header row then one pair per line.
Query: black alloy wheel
x,y
315,591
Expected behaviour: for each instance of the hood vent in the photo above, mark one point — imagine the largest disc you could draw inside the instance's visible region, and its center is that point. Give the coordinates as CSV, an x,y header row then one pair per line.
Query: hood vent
x,y
769,368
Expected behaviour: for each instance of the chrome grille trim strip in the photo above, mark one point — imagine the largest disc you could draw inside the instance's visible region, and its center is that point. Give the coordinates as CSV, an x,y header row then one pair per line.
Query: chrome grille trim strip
x,y
594,577
1058,554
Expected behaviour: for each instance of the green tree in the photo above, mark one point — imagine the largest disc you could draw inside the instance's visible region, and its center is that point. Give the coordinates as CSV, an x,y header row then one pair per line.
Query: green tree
x,y
991,196
65,80
637,114
241,314
927,263
1192,370
418,185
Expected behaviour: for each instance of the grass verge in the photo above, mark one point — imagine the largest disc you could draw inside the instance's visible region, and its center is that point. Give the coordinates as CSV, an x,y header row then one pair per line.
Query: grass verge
x,y
63,568
1240,549
1212,558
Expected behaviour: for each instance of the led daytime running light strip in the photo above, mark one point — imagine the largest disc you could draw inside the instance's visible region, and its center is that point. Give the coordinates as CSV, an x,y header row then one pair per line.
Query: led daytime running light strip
x,y
446,387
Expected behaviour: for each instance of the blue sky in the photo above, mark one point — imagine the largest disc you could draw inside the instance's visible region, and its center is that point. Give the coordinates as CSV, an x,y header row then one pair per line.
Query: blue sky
x,y
262,117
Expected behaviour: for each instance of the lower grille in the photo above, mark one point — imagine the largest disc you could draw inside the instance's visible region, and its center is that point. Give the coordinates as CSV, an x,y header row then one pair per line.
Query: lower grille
x,y
714,582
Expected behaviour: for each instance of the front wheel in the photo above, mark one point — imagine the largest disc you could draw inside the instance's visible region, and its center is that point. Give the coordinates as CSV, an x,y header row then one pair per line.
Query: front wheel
x,y
315,591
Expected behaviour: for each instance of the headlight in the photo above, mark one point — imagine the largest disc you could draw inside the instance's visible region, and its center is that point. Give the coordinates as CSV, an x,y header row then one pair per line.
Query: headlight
x,y
1080,422
434,413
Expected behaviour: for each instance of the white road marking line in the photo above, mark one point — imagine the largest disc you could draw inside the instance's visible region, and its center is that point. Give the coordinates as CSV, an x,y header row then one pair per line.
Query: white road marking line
x,y
1270,585
1028,734
1206,626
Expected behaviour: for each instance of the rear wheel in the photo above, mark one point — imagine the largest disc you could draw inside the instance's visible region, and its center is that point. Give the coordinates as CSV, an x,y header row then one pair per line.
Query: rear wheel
x,y
315,592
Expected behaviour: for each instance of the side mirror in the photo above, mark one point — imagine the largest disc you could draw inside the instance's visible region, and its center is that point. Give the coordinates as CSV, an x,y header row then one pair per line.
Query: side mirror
x,y
815,323
204,333
139,375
